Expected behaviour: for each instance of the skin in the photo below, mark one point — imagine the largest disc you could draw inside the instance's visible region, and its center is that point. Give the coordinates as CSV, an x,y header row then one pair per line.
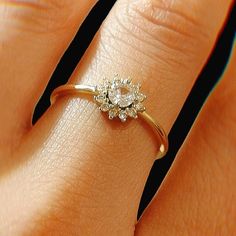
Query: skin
x,y
66,175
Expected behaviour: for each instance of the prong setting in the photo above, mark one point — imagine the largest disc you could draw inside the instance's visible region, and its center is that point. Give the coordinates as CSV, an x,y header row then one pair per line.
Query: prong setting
x,y
120,98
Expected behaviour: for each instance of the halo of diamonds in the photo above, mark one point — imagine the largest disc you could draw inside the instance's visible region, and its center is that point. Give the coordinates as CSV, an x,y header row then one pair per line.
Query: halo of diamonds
x,y
120,98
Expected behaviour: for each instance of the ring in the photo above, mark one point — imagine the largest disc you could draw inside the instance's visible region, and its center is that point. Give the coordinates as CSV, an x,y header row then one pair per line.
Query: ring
x,y
119,98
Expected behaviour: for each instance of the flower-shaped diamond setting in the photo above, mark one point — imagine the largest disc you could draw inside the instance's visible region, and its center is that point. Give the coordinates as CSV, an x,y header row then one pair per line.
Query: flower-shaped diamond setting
x,y
120,98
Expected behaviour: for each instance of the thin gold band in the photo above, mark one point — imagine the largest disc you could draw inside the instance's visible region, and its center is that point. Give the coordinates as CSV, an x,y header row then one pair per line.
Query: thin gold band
x,y
76,89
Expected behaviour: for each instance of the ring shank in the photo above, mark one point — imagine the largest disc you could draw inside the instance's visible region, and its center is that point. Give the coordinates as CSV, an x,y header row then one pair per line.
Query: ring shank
x,y
76,89
72,89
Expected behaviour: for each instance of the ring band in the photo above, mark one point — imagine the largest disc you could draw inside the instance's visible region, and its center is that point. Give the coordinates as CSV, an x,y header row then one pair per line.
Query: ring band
x,y
120,98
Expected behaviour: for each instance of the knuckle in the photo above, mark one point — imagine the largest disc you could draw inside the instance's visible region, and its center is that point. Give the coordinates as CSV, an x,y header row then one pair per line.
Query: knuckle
x,y
37,16
168,32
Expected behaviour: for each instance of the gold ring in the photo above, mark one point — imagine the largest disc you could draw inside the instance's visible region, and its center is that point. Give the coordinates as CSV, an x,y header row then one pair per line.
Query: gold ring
x,y
120,98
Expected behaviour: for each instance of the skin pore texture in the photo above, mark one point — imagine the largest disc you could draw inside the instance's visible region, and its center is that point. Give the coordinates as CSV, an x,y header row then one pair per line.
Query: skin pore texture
x,y
77,173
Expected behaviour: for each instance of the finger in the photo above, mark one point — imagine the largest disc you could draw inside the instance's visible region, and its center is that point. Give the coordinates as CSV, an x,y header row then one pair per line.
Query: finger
x,y
198,195
162,44
34,35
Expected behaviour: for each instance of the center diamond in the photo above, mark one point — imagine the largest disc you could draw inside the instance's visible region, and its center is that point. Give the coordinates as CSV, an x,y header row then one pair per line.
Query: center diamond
x,y
121,96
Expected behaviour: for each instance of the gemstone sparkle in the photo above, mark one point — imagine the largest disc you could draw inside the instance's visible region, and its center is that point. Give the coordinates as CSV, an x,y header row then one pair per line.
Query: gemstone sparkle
x,y
120,98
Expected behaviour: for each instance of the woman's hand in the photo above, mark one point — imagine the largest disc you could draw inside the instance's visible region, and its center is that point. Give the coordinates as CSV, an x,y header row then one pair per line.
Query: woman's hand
x,y
75,172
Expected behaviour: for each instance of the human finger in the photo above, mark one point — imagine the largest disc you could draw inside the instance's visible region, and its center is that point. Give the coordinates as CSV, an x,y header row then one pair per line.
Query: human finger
x,y
34,35
198,195
164,45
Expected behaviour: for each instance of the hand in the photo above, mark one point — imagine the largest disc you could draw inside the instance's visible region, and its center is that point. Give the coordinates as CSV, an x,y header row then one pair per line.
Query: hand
x,y
76,173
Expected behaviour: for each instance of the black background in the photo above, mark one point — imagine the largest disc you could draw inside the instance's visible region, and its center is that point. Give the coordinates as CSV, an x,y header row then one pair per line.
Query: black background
x,y
206,81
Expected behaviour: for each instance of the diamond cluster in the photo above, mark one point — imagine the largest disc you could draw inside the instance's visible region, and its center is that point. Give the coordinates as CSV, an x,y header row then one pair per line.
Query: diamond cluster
x,y
120,98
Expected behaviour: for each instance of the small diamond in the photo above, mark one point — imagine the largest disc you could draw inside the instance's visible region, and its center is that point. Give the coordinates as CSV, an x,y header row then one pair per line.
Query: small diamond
x,y
131,112
127,81
140,107
106,83
101,88
105,107
122,116
117,82
100,98
113,113
136,87
141,97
